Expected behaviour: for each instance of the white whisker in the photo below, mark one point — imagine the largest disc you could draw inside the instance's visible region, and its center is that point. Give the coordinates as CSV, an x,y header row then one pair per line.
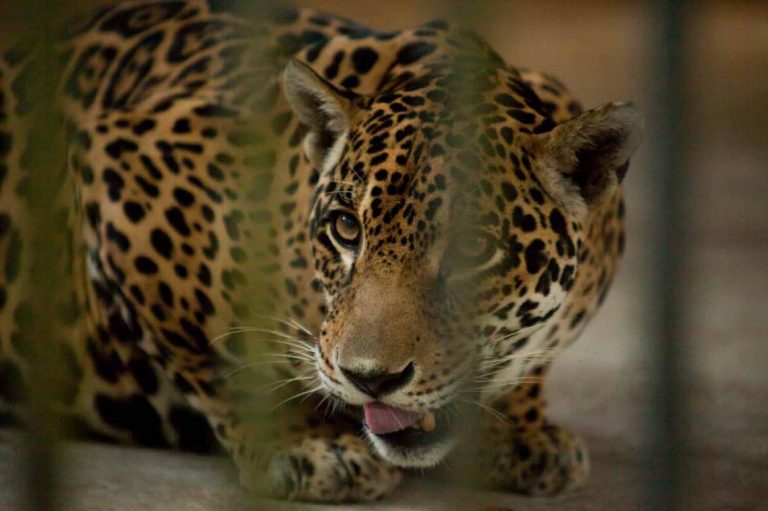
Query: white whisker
x,y
510,383
283,383
488,409
304,393
290,322
251,366
294,344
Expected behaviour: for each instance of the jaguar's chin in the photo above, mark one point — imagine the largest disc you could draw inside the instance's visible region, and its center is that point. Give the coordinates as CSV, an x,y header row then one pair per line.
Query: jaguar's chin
x,y
425,443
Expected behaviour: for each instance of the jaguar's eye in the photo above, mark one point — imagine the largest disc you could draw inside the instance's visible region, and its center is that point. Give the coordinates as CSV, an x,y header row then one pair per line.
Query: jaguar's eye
x,y
346,229
472,250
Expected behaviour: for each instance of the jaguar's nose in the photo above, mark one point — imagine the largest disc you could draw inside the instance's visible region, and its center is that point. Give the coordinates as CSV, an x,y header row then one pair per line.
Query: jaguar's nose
x,y
378,383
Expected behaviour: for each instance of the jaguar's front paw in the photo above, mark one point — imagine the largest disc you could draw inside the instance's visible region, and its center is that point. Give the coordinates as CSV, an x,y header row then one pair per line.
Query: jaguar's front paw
x,y
341,469
545,461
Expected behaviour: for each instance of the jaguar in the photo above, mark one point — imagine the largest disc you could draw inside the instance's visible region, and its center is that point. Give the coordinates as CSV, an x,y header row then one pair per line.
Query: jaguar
x,y
329,250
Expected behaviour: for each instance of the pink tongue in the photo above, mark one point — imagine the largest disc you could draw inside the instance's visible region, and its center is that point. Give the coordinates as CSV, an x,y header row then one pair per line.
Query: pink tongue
x,y
382,419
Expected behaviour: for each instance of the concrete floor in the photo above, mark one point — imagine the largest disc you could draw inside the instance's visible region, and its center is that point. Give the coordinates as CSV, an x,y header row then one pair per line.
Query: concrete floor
x,y
727,465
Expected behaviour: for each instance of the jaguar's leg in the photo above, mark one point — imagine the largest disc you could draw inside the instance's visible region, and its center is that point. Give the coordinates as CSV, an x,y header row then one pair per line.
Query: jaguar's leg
x,y
301,454
337,468
528,454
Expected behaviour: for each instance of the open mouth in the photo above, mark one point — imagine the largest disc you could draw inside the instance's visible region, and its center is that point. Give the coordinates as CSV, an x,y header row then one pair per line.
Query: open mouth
x,y
405,431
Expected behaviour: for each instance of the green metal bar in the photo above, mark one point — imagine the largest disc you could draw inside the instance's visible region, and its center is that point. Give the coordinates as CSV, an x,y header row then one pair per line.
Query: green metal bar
x,y
44,165
666,415
467,471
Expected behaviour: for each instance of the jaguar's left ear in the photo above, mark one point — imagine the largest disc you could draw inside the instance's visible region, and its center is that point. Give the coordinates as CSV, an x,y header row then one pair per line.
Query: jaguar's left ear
x,y
321,107
586,157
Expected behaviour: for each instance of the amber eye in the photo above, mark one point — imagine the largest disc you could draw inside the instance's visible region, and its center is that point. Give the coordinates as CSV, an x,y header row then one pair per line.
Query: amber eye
x,y
346,229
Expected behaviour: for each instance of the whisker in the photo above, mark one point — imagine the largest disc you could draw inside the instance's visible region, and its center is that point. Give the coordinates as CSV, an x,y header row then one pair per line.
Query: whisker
x,y
288,381
246,329
521,332
300,327
304,393
323,401
240,330
335,405
297,345
275,332
489,374
290,322
305,355
453,411
280,358
490,363
252,365
488,409
295,356
543,352
510,383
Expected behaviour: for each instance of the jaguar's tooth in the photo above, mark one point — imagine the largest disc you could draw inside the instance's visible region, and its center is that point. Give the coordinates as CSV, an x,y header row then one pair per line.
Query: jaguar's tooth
x,y
427,422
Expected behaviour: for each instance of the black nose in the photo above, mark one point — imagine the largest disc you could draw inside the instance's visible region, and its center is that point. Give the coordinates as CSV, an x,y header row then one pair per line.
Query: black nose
x,y
377,384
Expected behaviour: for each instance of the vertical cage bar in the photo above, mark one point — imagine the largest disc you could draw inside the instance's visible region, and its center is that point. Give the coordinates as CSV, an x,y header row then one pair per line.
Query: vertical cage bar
x,y
44,166
666,415
263,415
470,470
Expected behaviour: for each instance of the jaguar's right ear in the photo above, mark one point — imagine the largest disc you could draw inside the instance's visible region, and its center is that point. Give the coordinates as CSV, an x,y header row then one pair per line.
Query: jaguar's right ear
x,y
584,159
321,107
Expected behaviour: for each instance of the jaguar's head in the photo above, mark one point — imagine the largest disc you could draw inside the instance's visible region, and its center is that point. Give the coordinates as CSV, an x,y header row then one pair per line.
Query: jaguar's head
x,y
448,218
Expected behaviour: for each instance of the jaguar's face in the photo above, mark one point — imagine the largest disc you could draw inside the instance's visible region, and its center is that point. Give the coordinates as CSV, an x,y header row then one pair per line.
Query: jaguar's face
x,y
439,236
